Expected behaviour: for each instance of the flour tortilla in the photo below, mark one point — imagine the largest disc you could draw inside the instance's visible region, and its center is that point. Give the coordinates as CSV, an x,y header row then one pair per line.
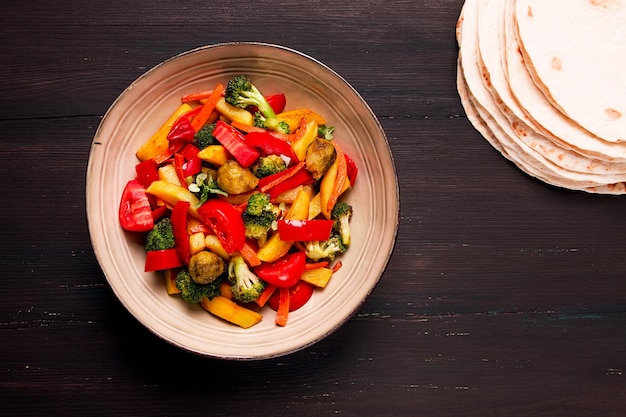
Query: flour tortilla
x,y
546,118
492,123
576,52
491,47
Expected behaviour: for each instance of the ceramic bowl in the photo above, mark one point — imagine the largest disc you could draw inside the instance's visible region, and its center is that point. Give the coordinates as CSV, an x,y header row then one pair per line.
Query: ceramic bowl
x,y
141,109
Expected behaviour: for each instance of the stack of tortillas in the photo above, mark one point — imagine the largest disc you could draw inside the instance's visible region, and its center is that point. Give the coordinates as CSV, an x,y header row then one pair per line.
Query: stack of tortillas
x,y
544,81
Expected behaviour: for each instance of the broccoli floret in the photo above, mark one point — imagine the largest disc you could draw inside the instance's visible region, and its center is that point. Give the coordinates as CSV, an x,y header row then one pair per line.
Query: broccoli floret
x,y
268,165
161,236
325,132
271,123
204,137
246,286
258,216
240,92
193,292
325,249
341,214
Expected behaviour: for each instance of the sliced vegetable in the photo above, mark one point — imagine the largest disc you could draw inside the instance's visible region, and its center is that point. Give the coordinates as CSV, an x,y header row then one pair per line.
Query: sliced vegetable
x,y
276,247
159,260
302,143
318,277
299,295
282,310
234,114
147,172
135,213
182,130
273,180
265,295
284,272
207,108
179,227
304,230
230,311
172,194
234,143
293,117
158,142
270,145
351,169
169,276
225,221
302,177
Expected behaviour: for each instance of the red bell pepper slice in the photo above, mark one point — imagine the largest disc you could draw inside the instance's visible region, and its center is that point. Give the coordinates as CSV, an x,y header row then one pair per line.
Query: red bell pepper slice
x,y
179,161
276,101
235,144
135,212
179,227
226,222
273,180
305,230
352,169
147,172
182,130
302,177
159,260
299,295
189,151
193,166
284,272
270,145
159,212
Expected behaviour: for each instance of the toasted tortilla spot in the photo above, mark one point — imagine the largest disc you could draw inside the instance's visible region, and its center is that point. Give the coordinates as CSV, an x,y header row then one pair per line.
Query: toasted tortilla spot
x,y
612,113
606,4
556,63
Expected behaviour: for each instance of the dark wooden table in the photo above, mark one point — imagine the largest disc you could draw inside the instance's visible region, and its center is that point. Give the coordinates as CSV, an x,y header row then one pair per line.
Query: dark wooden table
x,y
504,297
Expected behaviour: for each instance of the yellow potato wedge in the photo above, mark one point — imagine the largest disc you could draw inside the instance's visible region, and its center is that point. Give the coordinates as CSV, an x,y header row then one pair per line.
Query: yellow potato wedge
x,y
168,173
213,244
172,193
197,243
214,154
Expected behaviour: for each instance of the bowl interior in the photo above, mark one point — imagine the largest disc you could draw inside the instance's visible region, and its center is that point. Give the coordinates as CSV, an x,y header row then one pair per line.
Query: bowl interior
x,y
143,107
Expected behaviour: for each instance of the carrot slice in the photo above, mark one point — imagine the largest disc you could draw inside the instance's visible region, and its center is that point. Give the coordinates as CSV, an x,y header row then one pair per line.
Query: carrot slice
x,y
197,96
315,265
249,129
207,108
249,254
283,307
342,176
265,295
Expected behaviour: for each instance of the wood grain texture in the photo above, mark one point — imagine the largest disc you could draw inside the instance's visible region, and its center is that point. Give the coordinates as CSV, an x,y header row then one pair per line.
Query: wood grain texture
x,y
503,297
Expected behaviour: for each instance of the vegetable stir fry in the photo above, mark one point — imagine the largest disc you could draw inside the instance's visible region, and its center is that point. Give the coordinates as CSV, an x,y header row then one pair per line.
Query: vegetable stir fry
x,y
240,202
